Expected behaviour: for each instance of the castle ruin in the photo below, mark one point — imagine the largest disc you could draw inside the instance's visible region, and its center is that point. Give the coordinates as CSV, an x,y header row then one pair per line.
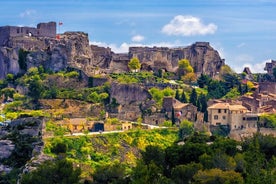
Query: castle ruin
x,y
42,30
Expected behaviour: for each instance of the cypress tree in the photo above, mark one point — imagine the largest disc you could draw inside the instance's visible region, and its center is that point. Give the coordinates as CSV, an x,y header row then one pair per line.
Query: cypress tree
x,y
177,96
173,116
193,97
183,98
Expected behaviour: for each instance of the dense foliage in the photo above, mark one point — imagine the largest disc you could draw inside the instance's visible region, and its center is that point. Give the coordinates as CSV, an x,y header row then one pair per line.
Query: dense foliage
x,y
201,159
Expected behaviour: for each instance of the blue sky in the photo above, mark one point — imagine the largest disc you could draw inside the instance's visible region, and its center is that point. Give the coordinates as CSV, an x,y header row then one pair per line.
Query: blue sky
x,y
243,31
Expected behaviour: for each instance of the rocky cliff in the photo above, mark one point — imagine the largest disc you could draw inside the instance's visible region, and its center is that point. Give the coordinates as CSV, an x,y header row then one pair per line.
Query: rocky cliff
x,y
72,49
203,58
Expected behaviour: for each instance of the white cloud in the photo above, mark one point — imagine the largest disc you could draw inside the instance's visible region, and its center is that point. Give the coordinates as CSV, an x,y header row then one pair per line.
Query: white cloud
x,y
188,26
241,45
257,67
247,61
137,38
27,13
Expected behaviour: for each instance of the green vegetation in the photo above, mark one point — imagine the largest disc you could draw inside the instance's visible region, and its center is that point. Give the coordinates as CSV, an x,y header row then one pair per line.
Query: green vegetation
x,y
268,121
57,171
134,64
158,94
104,150
22,59
137,77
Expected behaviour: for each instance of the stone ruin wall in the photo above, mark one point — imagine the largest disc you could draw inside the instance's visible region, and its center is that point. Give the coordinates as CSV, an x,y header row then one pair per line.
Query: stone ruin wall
x,y
42,30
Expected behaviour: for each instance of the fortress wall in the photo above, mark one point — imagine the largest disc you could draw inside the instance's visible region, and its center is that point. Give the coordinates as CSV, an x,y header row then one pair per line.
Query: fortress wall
x,y
47,29
42,30
22,31
4,36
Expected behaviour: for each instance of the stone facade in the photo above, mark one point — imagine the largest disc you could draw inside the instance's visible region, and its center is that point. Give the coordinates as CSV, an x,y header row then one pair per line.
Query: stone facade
x,y
182,111
269,67
263,99
42,30
234,116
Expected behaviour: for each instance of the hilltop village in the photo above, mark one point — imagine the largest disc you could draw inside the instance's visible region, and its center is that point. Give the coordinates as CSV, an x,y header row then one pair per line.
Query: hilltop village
x,y
67,86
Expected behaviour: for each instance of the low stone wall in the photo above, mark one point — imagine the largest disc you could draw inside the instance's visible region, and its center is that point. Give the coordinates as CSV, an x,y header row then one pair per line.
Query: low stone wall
x,y
268,131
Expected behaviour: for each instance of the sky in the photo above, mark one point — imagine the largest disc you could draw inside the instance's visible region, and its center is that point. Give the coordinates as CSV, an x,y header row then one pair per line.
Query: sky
x,y
243,31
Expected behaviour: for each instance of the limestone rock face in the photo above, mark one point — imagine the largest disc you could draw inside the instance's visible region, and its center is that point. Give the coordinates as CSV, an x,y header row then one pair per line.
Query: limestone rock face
x,y
127,94
203,58
71,50
8,61
129,97
6,148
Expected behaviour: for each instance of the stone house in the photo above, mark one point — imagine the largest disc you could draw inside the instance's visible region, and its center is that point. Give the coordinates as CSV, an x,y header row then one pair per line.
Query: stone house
x,y
263,100
234,116
126,126
182,111
75,125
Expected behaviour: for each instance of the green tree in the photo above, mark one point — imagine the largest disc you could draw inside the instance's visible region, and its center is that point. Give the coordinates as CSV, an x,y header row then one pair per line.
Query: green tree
x,y
114,173
58,171
255,162
216,89
7,92
203,80
186,129
150,173
183,98
177,95
173,116
22,59
193,97
134,64
35,88
184,67
154,154
183,174
232,94
217,176
274,72
202,101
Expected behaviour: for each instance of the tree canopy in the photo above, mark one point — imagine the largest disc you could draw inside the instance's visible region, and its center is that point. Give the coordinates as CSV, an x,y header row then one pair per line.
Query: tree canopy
x,y
134,64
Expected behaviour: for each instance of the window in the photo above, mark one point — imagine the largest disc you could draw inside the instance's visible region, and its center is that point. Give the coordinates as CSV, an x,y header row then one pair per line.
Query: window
x,y
218,123
215,116
223,117
225,111
17,30
219,111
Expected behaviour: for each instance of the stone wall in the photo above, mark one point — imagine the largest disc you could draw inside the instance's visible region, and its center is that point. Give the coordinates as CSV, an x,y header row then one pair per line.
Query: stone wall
x,y
42,30
269,87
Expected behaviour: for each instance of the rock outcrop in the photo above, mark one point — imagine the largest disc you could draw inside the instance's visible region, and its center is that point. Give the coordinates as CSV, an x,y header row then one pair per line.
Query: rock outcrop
x,y
6,148
203,58
129,98
72,49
